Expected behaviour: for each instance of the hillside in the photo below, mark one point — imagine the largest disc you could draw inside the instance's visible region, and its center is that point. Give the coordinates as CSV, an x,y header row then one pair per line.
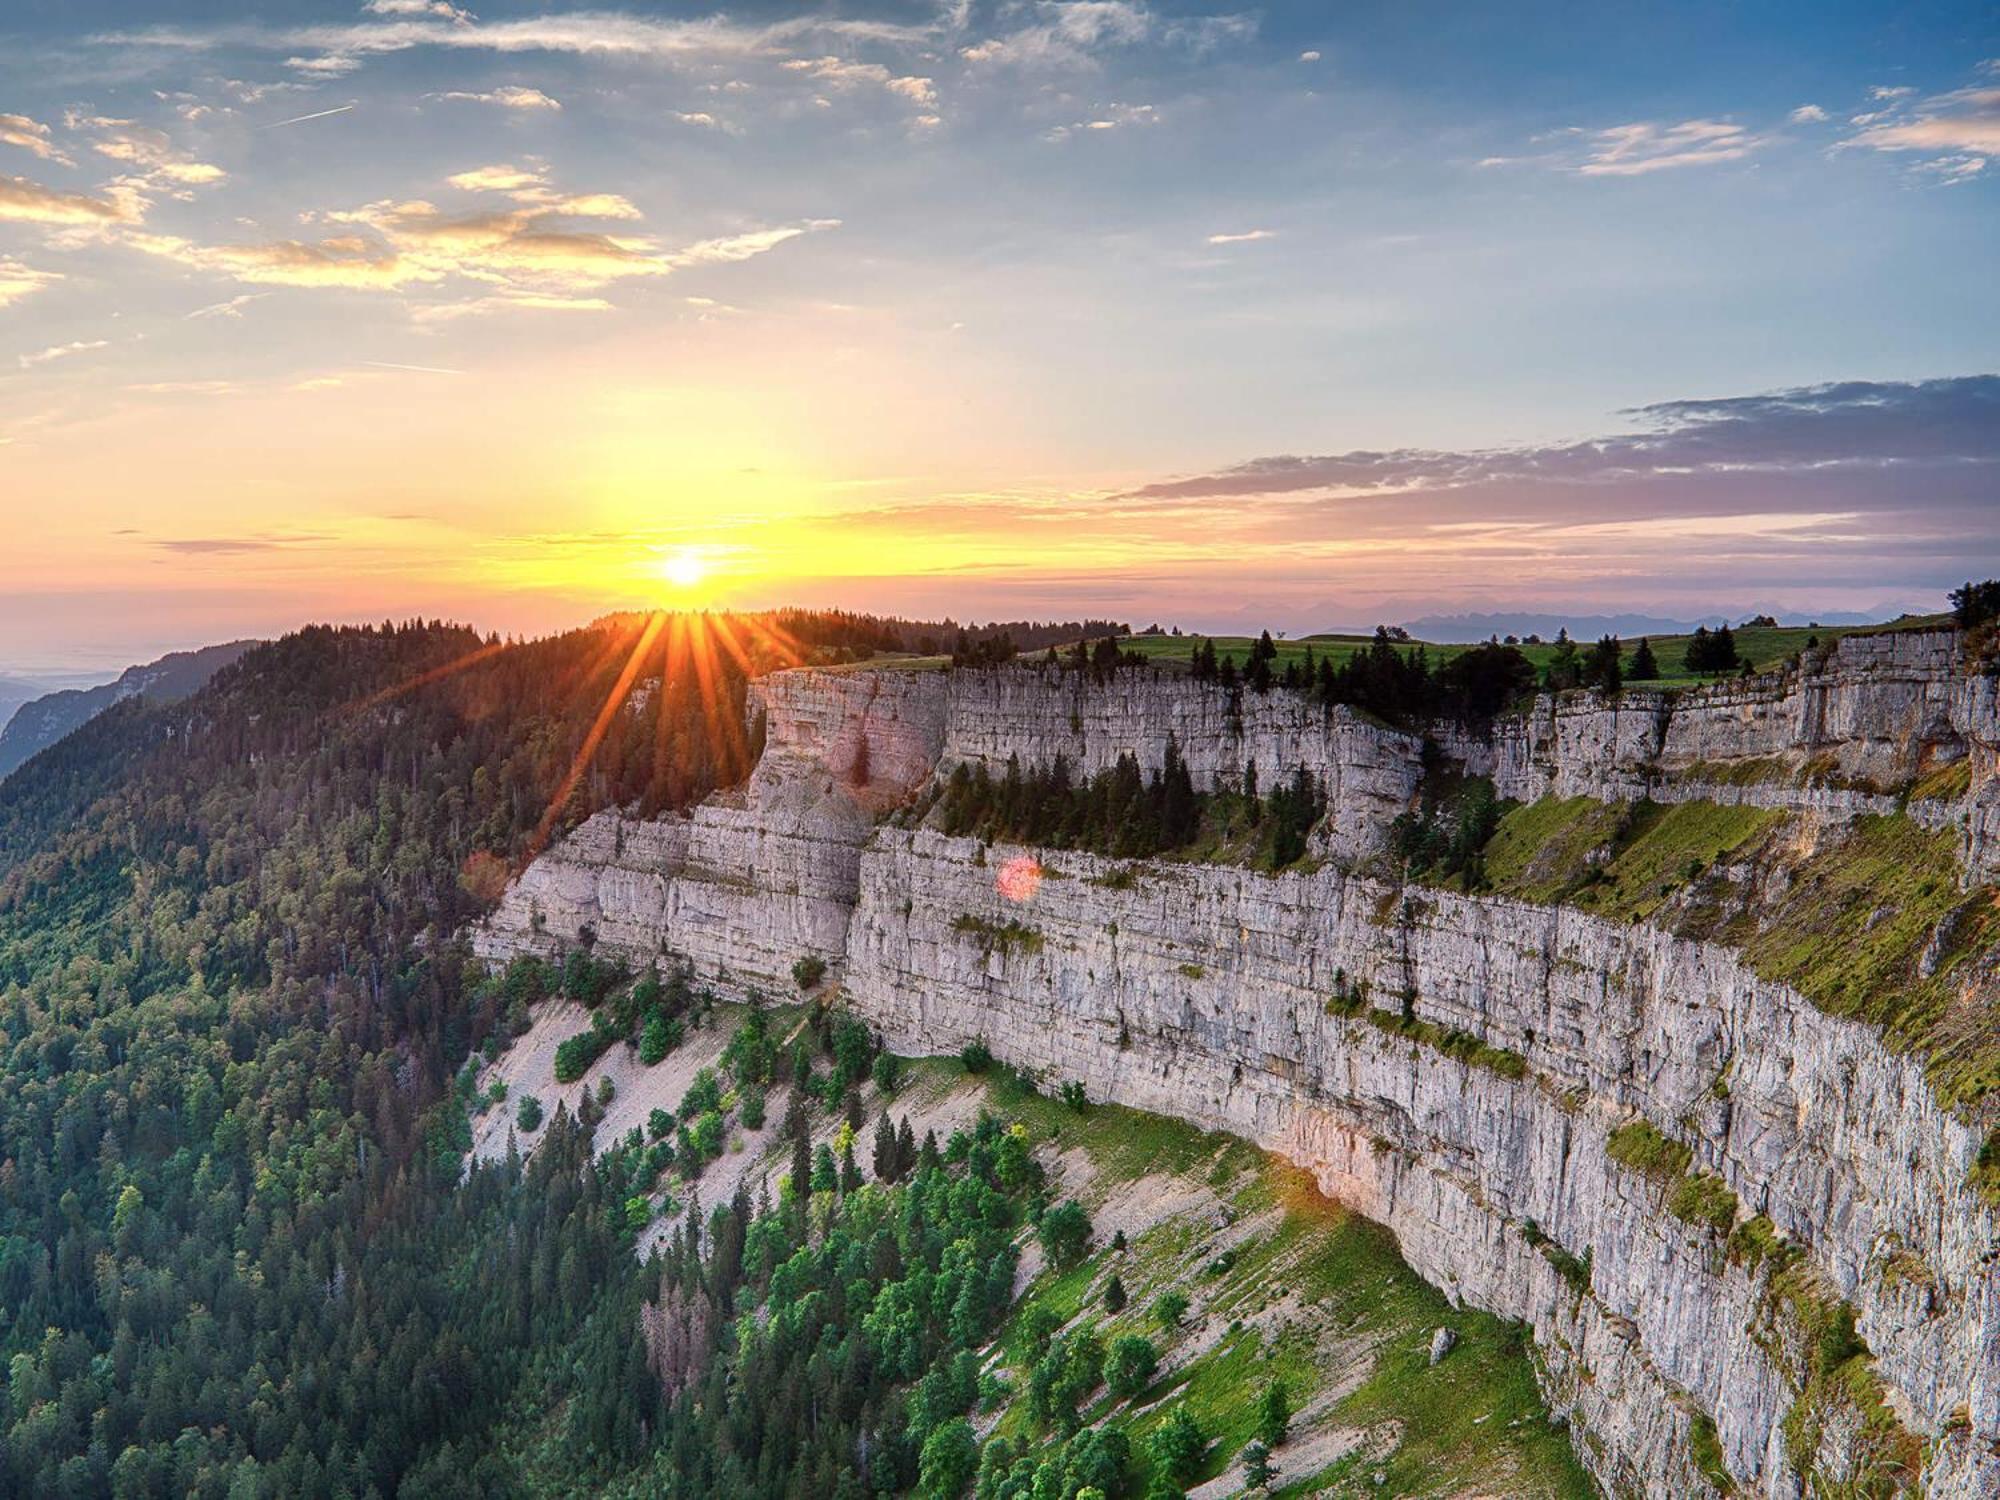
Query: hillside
x,y
39,722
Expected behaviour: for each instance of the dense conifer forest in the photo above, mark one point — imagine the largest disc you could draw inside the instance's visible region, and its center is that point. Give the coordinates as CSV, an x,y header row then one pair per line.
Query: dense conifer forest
x,y
236,1254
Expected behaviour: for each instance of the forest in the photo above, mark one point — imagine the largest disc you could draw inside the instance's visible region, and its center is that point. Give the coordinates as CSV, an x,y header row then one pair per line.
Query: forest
x,y
239,1252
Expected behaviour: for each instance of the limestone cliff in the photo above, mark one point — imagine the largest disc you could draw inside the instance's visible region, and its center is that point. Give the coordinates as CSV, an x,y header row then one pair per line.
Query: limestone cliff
x,y
1683,1177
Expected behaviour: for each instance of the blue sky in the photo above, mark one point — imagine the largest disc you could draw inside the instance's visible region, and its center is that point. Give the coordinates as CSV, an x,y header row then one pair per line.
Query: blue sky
x,y
345,307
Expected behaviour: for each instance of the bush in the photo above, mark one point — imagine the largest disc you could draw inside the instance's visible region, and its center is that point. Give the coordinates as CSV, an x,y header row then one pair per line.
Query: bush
x,y
659,1038
1274,1414
976,1057
753,1109
660,1124
528,1114
1065,1234
888,1073
809,971
1129,1367
1177,1445
949,1460
1170,1309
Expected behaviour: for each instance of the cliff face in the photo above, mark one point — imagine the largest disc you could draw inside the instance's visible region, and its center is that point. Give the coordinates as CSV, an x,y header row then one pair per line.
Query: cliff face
x,y
1852,729
1472,1071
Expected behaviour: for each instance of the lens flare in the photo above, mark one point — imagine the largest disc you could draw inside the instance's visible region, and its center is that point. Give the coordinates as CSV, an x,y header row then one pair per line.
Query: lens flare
x,y
1019,878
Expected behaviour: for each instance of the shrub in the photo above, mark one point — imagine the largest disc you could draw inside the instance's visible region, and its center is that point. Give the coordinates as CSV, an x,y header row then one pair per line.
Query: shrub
x,y
1170,1309
753,1109
1638,1144
1065,1234
976,1057
1177,1445
660,1124
949,1460
809,971
528,1114
888,1073
1129,1367
1274,1414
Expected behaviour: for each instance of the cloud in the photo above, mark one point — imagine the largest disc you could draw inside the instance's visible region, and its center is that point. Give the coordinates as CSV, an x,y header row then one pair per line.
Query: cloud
x,y
1643,147
1309,57
30,135
61,351
508,96
442,8
581,33
500,179
1244,237
1966,120
840,73
1853,440
732,248
155,165
233,308
29,202
532,252
444,312
1808,114
19,280
342,261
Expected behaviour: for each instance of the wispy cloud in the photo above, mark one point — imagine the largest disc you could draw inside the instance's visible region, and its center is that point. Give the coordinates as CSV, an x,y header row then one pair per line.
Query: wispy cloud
x,y
507,96
18,280
1875,432
1643,147
1965,121
29,135
61,351
232,308
1243,237
1809,114
30,202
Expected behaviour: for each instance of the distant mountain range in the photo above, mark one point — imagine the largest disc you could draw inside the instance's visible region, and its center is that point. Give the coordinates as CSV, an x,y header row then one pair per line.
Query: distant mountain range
x,y
1479,627
40,722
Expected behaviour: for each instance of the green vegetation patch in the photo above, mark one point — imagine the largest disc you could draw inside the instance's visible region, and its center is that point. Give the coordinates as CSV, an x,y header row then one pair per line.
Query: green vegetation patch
x,y
1703,1199
1642,1147
1620,860
1001,937
1451,1041
1851,932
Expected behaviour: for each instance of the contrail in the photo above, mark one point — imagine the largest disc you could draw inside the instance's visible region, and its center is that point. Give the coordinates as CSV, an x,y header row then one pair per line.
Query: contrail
x,y
301,119
383,364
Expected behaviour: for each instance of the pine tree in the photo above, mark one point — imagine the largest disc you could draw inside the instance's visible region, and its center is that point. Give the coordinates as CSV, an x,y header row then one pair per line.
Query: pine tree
x,y
1644,667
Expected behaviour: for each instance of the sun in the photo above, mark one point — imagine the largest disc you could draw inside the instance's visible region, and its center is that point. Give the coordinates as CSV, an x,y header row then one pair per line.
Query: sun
x,y
684,569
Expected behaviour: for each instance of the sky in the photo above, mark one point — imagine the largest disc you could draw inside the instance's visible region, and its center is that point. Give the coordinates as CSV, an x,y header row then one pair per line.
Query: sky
x,y
1300,315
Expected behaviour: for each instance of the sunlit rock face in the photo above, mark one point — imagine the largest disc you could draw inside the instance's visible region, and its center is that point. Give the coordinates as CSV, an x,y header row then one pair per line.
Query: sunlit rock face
x,y
1203,992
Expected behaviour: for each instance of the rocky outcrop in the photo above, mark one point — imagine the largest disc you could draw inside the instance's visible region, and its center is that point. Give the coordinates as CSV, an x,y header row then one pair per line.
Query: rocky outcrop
x,y
1849,729
1461,1068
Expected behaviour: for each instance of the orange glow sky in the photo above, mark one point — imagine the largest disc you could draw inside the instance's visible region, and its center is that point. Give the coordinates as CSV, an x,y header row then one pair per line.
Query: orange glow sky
x,y
521,313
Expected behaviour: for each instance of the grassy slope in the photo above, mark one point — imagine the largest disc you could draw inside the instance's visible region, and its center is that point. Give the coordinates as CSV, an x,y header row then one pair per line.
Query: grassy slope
x,y
1313,1295
1765,648
1843,915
